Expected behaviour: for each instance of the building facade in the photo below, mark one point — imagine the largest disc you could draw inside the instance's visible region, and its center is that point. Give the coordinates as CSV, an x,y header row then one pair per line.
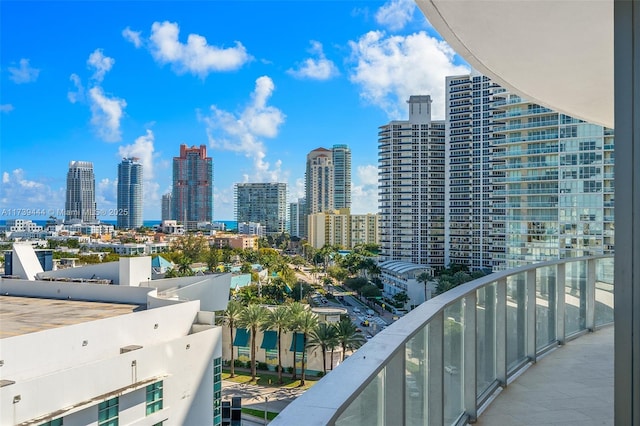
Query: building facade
x,y
558,183
341,228
129,213
264,203
411,187
341,176
298,218
167,203
474,205
192,186
80,204
319,181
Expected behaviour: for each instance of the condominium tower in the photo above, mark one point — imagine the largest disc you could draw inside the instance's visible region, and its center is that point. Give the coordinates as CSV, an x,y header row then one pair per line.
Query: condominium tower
x,y
264,203
341,177
80,204
192,186
411,186
167,203
298,218
129,213
327,180
558,183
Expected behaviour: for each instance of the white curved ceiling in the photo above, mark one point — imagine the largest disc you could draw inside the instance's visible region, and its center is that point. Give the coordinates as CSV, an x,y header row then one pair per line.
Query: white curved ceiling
x,y
558,53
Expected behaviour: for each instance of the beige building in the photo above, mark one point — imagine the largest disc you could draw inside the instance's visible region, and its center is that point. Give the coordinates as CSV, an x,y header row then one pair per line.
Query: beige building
x,y
235,241
341,228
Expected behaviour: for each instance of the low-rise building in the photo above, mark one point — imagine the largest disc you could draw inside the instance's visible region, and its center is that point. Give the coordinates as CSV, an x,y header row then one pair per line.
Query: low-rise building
x,y
341,228
398,276
249,242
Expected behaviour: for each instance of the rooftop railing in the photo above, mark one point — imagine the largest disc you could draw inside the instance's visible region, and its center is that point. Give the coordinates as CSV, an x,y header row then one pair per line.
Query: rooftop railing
x,y
444,360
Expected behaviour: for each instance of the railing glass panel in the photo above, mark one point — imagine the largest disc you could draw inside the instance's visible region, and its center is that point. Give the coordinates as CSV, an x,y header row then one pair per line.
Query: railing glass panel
x,y
546,306
575,302
516,320
368,408
416,377
604,291
486,337
453,351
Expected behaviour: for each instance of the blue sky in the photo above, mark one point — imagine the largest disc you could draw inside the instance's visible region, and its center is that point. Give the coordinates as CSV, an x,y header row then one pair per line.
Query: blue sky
x,y
261,83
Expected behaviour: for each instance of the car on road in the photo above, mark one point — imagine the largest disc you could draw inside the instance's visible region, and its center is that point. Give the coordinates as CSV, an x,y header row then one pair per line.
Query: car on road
x,y
370,312
356,310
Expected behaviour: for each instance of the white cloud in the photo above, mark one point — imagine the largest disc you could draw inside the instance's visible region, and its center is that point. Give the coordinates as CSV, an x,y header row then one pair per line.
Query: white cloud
x,y
298,190
132,36
6,108
101,63
107,193
242,132
106,114
317,68
395,14
24,74
78,95
18,192
223,202
389,69
364,190
196,56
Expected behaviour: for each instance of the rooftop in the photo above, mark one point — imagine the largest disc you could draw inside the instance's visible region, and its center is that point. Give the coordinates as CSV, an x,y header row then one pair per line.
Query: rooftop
x,y
22,315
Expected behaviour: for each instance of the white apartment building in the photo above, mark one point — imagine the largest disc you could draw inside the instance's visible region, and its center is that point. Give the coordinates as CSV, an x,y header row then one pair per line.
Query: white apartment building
x,y
411,187
473,236
129,354
319,181
252,228
398,277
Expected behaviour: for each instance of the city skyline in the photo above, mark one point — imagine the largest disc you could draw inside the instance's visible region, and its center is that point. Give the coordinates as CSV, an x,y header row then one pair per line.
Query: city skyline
x,y
147,77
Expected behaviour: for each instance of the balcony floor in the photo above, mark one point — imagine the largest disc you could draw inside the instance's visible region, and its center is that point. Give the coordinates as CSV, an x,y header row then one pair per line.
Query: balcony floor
x,y
572,385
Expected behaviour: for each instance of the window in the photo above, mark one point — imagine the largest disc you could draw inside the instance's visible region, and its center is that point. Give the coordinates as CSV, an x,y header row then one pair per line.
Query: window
x,y
154,397
108,412
54,422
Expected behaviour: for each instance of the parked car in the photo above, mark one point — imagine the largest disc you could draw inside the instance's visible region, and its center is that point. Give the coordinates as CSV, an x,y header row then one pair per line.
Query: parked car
x,y
370,312
356,310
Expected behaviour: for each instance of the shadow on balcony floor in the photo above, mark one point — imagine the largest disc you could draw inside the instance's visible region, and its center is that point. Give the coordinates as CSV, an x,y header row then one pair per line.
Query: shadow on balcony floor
x,y
572,385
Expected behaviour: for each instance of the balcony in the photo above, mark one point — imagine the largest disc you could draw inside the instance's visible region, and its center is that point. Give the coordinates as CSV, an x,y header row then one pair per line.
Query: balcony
x,y
445,362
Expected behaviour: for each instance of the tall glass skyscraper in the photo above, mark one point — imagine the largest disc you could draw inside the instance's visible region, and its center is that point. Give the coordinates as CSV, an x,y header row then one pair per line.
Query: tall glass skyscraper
x,y
130,189
80,204
192,186
341,177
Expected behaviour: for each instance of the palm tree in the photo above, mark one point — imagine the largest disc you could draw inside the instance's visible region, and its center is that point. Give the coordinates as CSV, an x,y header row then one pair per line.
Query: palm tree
x,y
424,278
184,266
231,317
252,317
323,337
307,323
279,319
295,312
347,336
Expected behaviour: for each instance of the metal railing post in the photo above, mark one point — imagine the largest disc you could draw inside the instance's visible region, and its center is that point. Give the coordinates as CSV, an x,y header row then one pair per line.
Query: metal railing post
x,y
501,331
590,296
530,282
560,303
436,370
470,357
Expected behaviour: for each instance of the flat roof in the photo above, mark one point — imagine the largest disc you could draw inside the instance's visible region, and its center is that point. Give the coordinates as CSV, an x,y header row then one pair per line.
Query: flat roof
x,y
21,315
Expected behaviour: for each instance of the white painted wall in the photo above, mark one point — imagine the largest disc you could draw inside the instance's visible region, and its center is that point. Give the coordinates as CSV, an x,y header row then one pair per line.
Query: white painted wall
x,y
24,262
134,270
53,370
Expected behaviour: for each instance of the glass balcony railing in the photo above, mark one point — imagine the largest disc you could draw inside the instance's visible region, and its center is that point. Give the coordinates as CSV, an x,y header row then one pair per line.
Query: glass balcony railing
x,y
446,358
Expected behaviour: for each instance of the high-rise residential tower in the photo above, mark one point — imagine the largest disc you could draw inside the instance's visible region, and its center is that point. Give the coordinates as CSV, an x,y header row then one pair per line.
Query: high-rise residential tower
x,y
167,203
298,218
319,181
80,204
192,186
129,213
474,206
558,183
411,186
341,177
264,203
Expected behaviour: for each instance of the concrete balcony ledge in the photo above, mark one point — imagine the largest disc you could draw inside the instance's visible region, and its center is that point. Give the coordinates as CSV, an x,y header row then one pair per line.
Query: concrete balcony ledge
x,y
572,385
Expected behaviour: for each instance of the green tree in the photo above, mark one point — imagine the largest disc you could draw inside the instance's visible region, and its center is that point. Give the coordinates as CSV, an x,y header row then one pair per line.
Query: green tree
x,y
231,317
295,313
424,278
212,258
323,337
279,319
192,246
347,336
252,318
184,266
307,323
